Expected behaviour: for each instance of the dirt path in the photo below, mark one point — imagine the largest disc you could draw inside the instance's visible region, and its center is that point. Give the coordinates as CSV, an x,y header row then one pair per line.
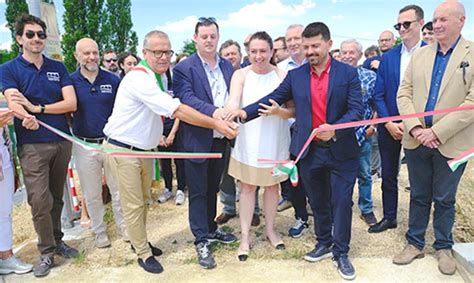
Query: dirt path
x,y
168,229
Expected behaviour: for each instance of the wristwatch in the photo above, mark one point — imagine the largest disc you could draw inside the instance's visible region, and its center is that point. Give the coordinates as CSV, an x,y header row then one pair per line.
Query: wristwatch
x,y
42,108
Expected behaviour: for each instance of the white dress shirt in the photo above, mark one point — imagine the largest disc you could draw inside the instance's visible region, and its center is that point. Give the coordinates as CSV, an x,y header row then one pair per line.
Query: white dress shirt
x,y
136,119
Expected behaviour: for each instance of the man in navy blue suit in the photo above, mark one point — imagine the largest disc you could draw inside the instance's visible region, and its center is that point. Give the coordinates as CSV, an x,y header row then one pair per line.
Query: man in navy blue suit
x,y
325,91
389,75
202,81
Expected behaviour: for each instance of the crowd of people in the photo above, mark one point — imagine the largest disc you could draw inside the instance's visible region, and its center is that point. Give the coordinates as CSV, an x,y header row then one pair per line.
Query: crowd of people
x,y
263,106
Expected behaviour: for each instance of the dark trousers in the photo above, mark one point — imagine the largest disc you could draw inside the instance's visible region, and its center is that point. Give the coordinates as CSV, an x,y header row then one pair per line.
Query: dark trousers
x,y
297,197
329,186
44,168
431,180
203,181
167,170
390,157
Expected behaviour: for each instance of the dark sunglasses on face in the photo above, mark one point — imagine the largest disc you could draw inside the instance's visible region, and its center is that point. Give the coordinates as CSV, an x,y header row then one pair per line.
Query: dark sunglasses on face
x,y
405,25
111,60
30,34
204,19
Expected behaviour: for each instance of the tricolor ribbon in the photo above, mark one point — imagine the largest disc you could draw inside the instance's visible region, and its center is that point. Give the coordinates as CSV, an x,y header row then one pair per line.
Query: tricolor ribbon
x,y
125,152
284,166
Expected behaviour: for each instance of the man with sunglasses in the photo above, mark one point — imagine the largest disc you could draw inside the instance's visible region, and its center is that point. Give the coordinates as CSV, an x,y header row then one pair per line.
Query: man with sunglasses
x,y
35,84
203,81
438,76
110,62
389,75
280,50
96,90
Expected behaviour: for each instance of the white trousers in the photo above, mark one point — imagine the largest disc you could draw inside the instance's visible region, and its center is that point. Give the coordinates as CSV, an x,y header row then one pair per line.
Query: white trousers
x,y
7,187
89,167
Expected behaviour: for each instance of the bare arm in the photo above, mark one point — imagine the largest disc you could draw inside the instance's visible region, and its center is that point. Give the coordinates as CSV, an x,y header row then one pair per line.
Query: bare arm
x,y
236,89
68,104
194,117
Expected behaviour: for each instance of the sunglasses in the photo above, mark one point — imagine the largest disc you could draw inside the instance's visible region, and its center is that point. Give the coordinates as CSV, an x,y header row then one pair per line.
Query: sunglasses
x,y
406,25
30,34
204,19
110,60
159,53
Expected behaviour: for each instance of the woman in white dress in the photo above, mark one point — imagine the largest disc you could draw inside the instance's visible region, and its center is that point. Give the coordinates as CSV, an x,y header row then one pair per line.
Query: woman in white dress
x,y
266,137
9,263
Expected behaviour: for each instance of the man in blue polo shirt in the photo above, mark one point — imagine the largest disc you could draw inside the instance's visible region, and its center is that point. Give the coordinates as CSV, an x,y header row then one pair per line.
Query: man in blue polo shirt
x,y
33,83
95,90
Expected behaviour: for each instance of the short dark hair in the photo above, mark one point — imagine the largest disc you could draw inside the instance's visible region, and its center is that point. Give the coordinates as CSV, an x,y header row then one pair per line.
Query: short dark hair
x,y
337,50
25,19
315,29
428,26
372,48
418,11
205,22
282,39
228,43
107,51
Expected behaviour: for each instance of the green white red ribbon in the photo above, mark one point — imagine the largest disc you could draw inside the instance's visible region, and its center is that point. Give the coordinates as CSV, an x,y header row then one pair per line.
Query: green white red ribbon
x,y
458,161
125,152
289,166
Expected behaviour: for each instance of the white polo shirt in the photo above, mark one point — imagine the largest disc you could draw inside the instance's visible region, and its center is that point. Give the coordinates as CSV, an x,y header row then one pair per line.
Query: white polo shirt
x,y
136,119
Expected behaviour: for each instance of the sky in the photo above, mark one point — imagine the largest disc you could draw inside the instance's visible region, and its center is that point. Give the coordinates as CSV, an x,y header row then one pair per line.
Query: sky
x,y
363,20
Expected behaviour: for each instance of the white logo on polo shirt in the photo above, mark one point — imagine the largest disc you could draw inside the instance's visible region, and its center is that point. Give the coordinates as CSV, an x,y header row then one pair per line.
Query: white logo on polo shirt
x,y
52,76
106,88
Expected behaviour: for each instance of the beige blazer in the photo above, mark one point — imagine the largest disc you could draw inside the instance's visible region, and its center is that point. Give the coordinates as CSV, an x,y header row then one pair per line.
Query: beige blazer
x,y
454,130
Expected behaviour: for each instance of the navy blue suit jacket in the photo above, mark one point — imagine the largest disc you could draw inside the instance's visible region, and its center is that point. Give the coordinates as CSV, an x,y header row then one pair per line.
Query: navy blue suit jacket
x,y
344,104
191,86
387,83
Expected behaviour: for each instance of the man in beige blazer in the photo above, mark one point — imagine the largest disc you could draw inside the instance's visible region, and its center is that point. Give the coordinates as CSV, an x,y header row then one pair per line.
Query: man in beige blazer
x,y
439,76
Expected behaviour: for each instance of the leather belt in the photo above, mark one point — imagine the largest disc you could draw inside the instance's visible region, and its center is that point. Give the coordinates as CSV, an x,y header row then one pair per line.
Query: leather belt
x,y
124,145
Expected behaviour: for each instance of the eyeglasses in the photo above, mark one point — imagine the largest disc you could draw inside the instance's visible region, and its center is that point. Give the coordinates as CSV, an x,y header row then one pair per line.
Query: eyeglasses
x,y
30,34
159,53
405,25
111,60
209,19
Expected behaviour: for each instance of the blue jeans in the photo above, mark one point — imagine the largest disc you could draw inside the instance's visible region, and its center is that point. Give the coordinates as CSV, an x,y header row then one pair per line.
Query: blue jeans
x,y
364,177
431,181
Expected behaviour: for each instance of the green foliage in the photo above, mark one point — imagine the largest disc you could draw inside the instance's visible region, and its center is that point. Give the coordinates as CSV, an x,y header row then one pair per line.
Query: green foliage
x,y
189,47
108,22
14,9
398,41
6,56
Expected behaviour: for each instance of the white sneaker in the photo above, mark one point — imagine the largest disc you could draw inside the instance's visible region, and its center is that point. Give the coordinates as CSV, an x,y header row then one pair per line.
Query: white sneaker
x,y
14,265
180,197
165,196
102,241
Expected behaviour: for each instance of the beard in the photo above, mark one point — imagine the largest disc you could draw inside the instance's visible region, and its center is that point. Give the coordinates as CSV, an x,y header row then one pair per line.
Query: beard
x,y
91,67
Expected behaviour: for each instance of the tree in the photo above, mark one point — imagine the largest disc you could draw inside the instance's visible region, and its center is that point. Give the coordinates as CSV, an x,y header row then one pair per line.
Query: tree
x,y
189,47
14,9
118,23
108,22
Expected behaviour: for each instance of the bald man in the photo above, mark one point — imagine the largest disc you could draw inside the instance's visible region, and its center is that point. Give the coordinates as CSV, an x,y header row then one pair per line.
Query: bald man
x,y
386,42
438,76
96,90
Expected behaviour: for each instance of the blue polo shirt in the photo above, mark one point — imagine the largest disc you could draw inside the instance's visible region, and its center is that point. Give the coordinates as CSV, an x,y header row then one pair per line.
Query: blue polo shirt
x,y
39,86
94,103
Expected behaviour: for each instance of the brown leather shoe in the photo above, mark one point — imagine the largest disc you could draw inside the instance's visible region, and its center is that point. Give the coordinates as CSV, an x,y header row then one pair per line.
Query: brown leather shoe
x,y
255,220
224,218
408,254
446,262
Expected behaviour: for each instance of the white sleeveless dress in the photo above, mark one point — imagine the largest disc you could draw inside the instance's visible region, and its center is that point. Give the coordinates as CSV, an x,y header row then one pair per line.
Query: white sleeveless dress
x,y
263,137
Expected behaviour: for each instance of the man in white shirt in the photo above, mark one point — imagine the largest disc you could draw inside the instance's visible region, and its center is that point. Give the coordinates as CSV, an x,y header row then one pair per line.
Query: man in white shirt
x,y
136,124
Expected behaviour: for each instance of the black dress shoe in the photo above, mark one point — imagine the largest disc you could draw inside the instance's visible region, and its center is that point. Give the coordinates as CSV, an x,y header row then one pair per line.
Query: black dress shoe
x,y
154,250
151,265
383,225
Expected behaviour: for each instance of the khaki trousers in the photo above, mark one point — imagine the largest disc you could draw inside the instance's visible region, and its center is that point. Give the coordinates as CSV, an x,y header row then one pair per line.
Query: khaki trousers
x,y
133,177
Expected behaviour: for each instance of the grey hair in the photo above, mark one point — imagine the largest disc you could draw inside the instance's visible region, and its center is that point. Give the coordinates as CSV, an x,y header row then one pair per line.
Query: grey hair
x,y
353,40
295,26
154,33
